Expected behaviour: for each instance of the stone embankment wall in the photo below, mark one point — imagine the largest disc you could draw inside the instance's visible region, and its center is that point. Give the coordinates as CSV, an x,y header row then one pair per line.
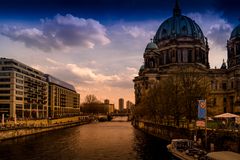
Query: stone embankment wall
x,y
29,127
163,131
220,139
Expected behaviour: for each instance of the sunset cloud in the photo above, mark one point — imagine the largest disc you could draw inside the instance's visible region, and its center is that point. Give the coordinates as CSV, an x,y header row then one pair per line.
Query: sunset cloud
x,y
217,30
59,32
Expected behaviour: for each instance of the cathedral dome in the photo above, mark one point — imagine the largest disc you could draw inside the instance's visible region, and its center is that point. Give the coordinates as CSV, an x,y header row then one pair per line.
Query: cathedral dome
x,y
151,46
236,32
178,26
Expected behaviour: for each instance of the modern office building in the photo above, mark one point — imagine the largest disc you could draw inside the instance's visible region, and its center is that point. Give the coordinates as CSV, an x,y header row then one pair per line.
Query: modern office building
x,y
63,100
28,93
121,104
23,90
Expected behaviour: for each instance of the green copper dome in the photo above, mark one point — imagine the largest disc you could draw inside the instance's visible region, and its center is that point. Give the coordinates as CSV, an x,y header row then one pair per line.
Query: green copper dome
x,y
142,68
178,26
151,46
236,32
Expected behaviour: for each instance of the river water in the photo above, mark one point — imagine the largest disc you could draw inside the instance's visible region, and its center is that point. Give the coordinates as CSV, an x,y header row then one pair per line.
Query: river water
x,y
95,141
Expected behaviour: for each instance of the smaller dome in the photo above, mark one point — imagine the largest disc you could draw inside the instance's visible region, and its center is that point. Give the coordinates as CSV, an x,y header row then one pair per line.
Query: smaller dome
x,y
142,68
151,46
236,32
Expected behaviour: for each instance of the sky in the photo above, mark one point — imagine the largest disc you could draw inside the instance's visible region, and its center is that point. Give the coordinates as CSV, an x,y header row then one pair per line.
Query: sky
x,y
98,45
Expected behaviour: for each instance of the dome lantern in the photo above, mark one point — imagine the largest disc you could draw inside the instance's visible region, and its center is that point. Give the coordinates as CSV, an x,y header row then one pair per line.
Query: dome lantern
x,y
176,10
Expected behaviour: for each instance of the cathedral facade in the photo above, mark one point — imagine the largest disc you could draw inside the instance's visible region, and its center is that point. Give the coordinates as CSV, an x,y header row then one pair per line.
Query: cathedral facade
x,y
179,41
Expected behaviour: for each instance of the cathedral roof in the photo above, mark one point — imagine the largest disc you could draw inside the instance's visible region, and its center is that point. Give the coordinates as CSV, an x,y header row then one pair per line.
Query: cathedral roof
x,y
236,32
178,26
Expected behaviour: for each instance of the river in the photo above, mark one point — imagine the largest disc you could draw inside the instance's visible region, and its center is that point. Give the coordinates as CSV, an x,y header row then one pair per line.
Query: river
x,y
95,141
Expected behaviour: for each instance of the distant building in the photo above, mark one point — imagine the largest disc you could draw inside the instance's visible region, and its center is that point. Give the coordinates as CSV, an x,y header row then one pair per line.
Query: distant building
x,y
63,100
129,105
106,101
121,104
111,108
23,90
98,108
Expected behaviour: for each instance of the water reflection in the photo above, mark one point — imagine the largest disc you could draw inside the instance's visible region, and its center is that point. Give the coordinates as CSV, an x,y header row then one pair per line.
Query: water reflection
x,y
98,141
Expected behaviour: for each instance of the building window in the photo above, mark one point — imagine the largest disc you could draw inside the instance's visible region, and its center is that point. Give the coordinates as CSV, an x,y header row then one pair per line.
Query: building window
x,y
19,98
160,60
168,57
189,55
238,49
214,101
4,91
8,62
5,106
19,106
224,104
203,57
224,86
151,63
19,87
19,92
4,74
4,79
4,85
185,55
5,97
27,106
19,75
19,81
179,55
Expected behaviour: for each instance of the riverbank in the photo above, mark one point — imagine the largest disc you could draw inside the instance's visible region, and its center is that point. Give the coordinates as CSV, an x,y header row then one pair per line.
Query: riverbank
x,y
29,127
217,140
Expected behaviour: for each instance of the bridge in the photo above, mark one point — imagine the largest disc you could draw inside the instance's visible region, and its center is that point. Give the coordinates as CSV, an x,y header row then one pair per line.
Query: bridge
x,y
119,114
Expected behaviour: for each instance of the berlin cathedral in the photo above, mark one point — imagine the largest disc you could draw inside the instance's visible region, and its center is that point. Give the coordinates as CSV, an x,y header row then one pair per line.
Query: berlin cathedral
x,y
179,41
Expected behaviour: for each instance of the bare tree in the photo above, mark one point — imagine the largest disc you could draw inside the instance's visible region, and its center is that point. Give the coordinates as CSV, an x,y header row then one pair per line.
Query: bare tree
x,y
90,99
92,105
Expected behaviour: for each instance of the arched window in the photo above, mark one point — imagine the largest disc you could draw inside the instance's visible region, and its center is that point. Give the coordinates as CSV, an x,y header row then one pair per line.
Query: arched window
x,y
151,63
238,49
189,55
160,60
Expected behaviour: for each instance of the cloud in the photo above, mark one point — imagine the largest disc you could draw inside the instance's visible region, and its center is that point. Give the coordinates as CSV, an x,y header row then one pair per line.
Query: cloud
x,y
219,33
73,71
135,31
215,28
84,72
59,33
